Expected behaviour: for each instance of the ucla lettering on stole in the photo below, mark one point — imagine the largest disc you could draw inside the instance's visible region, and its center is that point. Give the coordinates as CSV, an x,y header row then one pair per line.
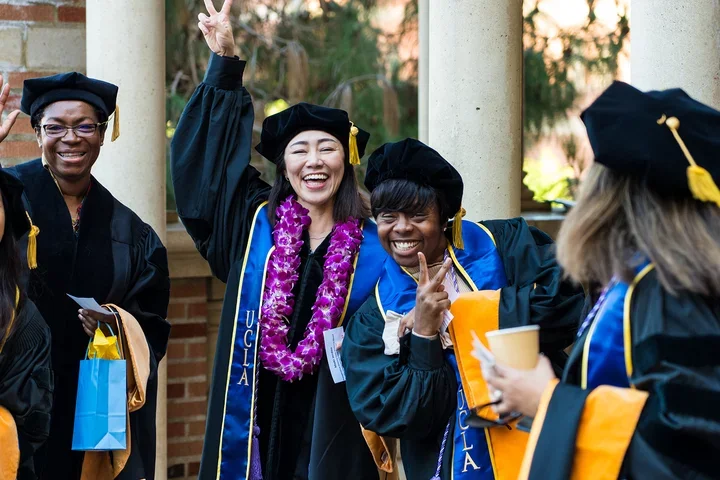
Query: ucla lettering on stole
x,y
248,344
462,413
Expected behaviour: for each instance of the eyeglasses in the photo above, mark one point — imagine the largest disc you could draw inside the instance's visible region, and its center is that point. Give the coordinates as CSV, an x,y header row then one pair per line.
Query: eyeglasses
x,y
53,130
475,420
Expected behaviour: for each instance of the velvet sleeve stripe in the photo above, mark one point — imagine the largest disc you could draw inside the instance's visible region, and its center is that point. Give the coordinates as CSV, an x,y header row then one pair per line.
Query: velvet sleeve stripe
x,y
679,429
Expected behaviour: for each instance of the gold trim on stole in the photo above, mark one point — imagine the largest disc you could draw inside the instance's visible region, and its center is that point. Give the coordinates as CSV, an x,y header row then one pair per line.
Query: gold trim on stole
x,y
627,330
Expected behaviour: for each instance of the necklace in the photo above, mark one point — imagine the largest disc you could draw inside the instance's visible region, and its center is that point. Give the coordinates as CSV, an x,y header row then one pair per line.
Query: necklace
x,y
321,236
278,300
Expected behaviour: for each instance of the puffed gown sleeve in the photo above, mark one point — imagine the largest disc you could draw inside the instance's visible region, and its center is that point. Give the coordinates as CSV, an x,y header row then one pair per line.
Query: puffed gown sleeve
x,y
407,395
216,190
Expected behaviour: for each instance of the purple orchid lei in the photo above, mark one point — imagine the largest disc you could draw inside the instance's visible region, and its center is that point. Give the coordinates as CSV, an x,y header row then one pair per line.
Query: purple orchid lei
x,y
278,300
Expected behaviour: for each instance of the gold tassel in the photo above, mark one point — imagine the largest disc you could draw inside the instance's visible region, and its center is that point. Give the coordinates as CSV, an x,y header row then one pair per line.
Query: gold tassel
x,y
116,124
701,184
32,244
457,229
352,145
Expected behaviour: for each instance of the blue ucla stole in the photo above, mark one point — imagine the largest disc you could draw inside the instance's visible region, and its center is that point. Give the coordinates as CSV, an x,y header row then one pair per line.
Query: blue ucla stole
x,y
479,263
605,359
241,389
471,456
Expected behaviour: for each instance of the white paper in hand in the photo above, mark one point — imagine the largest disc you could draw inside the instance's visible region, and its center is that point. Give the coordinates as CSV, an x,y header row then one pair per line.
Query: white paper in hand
x,y
481,352
447,318
333,338
487,363
450,288
89,304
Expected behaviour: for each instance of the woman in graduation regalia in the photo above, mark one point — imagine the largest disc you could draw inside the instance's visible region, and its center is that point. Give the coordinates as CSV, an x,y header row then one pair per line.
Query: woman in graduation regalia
x,y
92,246
639,397
420,387
298,259
26,381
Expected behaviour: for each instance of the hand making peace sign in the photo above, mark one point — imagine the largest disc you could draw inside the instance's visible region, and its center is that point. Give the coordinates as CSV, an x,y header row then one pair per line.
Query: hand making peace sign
x,y
431,299
217,30
12,116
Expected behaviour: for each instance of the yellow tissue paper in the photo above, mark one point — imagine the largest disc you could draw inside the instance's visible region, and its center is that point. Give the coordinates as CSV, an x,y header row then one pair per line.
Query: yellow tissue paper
x,y
103,347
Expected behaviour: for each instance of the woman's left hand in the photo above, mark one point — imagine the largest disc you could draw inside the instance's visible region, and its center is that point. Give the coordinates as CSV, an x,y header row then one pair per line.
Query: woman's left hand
x,y
521,389
90,319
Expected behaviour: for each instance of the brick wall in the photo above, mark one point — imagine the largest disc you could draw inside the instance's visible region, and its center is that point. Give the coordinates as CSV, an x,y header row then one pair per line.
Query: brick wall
x,y
187,376
37,38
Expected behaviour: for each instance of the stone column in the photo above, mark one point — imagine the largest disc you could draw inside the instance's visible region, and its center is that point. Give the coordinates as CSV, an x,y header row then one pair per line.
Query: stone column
x,y
475,106
677,44
126,46
423,70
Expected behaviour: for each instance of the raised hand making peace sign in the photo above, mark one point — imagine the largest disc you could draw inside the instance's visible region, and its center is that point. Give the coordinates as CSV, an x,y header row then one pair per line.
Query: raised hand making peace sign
x,y
217,29
431,299
12,116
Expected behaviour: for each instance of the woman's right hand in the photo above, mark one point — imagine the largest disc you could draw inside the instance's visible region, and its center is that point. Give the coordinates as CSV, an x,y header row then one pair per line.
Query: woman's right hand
x,y
12,116
217,30
431,299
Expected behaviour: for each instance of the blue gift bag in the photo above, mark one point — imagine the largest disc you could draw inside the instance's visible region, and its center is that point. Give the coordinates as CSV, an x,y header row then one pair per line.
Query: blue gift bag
x,y
101,408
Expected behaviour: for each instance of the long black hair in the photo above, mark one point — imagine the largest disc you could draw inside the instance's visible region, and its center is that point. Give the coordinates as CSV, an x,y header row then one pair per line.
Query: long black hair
x,y
10,271
348,201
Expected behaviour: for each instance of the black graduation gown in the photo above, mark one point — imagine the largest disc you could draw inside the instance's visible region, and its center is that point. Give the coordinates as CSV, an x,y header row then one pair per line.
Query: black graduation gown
x,y
217,194
116,258
412,395
26,384
675,345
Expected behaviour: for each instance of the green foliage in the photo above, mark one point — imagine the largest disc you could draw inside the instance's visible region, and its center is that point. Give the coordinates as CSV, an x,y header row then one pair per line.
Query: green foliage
x,y
334,56
548,181
552,86
550,79
331,57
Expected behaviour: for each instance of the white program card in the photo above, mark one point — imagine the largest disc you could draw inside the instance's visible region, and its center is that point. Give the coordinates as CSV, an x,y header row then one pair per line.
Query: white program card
x,y
333,338
481,352
89,304
450,288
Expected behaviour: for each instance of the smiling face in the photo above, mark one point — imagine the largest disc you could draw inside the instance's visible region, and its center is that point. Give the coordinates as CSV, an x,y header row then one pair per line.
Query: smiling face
x,y
71,157
405,234
314,166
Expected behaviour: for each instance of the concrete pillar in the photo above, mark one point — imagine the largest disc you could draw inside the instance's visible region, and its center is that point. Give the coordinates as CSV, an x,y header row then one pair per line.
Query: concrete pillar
x,y
423,69
677,44
475,106
125,44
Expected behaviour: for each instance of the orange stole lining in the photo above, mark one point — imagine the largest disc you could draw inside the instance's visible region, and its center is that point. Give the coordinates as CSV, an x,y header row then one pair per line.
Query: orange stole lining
x,y
607,425
382,453
606,428
9,446
479,312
